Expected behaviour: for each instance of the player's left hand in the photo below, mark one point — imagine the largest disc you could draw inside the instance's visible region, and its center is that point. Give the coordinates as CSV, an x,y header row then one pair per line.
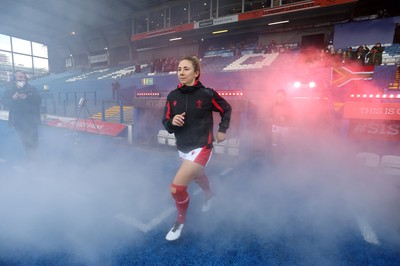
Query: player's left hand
x,y
221,137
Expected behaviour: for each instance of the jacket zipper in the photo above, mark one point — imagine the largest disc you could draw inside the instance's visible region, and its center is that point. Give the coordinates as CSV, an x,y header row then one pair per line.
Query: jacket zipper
x,y
186,103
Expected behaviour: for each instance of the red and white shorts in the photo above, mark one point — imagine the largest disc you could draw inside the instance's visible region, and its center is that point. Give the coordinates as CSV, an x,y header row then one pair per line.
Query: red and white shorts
x,y
200,155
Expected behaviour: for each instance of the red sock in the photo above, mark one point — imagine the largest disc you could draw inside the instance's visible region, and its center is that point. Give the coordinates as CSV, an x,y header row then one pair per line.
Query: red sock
x,y
179,193
203,182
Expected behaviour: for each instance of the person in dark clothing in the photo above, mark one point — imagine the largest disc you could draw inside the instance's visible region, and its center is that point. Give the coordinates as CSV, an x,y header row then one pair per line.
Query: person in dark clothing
x,y
361,52
188,114
350,54
115,87
374,57
24,103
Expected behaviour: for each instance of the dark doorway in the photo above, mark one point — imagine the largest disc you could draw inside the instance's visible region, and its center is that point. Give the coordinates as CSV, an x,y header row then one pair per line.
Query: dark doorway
x,y
316,40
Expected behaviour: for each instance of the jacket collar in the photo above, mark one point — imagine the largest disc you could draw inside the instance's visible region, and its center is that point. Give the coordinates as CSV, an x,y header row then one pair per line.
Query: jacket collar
x,y
185,88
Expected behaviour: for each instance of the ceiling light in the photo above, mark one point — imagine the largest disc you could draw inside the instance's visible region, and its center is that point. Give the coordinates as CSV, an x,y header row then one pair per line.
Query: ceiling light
x,y
219,31
175,39
278,22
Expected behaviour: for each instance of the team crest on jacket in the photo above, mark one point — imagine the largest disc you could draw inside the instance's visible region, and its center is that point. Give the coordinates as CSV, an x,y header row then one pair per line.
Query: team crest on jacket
x,y
199,102
174,103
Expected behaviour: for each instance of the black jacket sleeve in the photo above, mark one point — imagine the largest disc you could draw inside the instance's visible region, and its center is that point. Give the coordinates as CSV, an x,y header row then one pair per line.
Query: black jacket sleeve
x,y
167,117
225,110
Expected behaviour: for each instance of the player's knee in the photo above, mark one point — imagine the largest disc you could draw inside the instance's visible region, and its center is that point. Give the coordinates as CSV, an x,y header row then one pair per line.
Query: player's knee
x,y
179,193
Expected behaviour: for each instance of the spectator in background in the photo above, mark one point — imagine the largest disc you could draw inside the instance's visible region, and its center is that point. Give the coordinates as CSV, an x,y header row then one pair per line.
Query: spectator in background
x,y
115,87
344,59
379,47
24,103
271,48
350,54
138,68
188,114
374,57
259,48
331,49
361,53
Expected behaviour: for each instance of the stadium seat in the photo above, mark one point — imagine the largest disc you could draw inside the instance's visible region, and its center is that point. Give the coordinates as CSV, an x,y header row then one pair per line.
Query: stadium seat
x,y
162,136
233,146
241,63
390,165
171,139
220,147
368,159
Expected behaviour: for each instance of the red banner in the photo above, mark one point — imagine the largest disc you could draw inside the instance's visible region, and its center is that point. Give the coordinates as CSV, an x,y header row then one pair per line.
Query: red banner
x,y
333,2
87,125
368,110
276,10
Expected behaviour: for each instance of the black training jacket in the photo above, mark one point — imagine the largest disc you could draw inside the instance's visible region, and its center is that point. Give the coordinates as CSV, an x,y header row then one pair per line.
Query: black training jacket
x,y
198,102
23,113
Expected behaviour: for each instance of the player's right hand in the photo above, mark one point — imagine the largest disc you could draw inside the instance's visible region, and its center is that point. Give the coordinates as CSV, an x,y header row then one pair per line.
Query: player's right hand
x,y
179,120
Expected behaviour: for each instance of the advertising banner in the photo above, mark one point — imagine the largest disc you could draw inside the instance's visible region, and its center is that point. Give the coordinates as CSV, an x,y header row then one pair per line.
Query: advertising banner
x,y
375,130
86,125
374,111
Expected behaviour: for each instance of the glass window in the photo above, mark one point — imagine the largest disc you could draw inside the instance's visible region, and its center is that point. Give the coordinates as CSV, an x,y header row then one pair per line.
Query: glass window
x,y
156,20
5,42
39,49
179,14
256,4
140,24
167,18
229,7
41,66
21,46
68,62
214,9
5,60
22,62
6,75
199,10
